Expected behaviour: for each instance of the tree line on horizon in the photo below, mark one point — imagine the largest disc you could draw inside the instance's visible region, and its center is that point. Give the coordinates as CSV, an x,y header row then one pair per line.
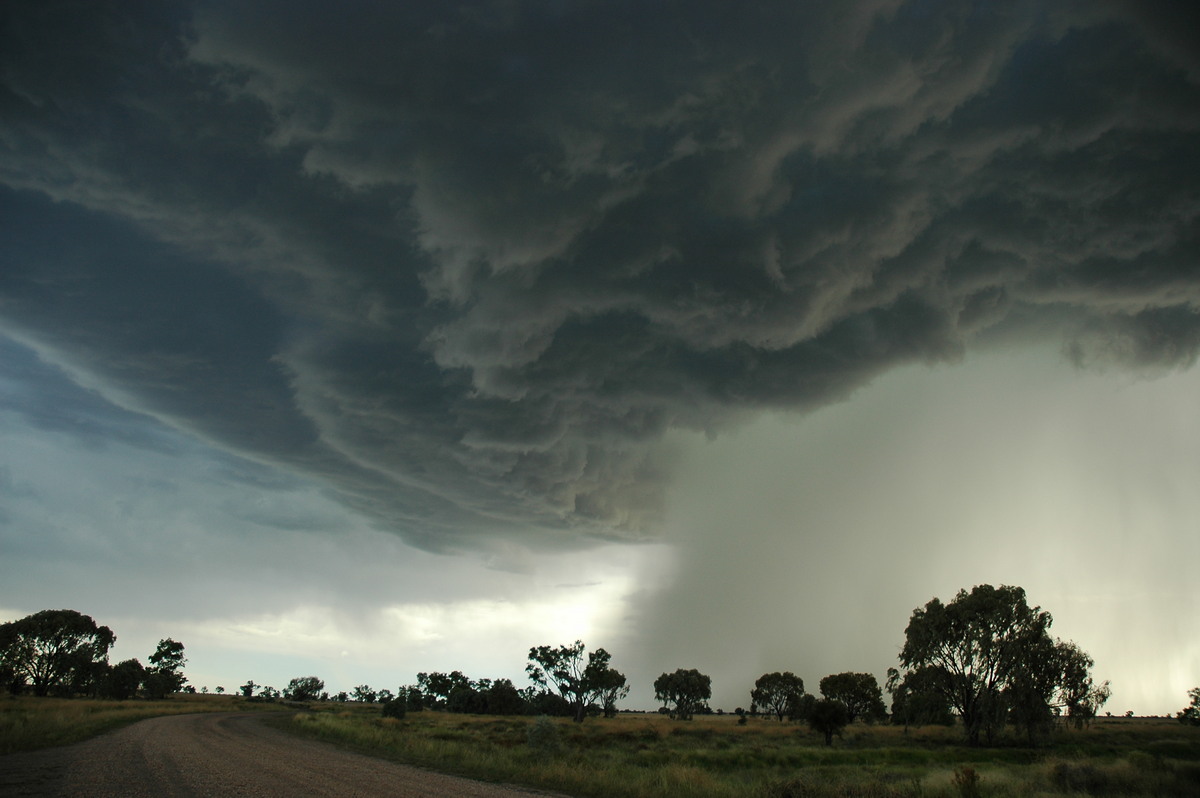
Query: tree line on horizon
x,y
985,660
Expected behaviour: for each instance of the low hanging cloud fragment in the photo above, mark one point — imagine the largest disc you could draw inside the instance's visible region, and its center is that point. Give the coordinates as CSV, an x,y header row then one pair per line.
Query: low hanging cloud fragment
x,y
467,265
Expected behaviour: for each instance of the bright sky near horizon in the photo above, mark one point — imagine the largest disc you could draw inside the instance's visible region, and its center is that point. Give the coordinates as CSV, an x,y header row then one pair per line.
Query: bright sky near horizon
x,y
402,337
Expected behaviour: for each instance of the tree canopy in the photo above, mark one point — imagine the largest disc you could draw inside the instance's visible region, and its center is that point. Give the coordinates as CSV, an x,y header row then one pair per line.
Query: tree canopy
x,y
859,694
164,674
304,688
777,693
578,681
828,717
1191,713
54,651
990,656
685,690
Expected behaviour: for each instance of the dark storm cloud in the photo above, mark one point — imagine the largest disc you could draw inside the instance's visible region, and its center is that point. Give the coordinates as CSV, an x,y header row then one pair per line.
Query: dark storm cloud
x,y
466,265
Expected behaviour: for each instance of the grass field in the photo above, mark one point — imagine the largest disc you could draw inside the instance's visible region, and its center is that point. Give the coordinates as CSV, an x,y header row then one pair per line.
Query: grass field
x,y
28,723
649,755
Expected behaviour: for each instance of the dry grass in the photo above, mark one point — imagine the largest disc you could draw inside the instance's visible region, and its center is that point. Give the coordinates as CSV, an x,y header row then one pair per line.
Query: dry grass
x,y
645,756
28,723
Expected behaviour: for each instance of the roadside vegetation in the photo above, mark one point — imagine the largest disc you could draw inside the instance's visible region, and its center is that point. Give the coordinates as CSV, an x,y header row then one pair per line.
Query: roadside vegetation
x,y
29,722
651,756
986,702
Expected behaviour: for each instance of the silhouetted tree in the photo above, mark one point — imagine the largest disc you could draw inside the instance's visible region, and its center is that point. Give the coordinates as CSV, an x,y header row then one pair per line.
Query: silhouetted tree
x,y
164,674
304,688
990,655
503,698
437,687
828,717
685,690
248,689
53,650
775,692
123,680
364,693
578,681
917,698
858,692
1191,713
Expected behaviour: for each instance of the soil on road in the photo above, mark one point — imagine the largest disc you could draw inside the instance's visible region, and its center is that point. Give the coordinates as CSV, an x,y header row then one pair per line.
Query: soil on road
x,y
187,756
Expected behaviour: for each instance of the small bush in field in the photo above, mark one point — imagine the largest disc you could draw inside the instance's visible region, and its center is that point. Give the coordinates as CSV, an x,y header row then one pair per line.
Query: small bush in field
x,y
966,780
543,737
394,708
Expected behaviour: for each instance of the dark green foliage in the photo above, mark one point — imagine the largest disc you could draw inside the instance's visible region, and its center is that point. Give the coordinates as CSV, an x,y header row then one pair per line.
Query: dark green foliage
x,y
503,698
364,694
466,699
304,688
801,708
684,690
437,687
917,698
776,692
828,717
164,675
396,708
55,651
1191,713
543,738
859,692
123,680
989,655
581,683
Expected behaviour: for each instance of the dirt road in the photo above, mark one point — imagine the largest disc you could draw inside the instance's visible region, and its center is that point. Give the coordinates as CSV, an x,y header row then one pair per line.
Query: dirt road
x,y
186,756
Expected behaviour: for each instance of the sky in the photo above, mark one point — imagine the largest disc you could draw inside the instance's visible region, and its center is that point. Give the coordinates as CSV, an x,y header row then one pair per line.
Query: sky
x,y
366,339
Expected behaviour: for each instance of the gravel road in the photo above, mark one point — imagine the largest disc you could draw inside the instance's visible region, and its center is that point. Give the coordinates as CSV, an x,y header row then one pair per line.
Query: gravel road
x,y
183,756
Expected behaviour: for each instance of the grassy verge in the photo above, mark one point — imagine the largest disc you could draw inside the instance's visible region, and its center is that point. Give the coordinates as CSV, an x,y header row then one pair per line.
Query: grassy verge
x,y
646,756
28,723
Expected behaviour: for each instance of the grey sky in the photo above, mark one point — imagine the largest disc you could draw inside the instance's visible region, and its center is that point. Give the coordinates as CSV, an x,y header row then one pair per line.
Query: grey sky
x,y
335,310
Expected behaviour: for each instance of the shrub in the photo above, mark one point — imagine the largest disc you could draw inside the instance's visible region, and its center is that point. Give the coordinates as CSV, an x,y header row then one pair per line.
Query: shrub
x,y
543,737
395,708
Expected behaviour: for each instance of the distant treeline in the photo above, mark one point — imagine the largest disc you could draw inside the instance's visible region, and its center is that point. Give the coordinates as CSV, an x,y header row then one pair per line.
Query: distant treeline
x,y
985,660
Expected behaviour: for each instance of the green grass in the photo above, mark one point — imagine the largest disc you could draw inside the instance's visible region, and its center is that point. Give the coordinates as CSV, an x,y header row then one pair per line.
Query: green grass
x,y
645,756
28,723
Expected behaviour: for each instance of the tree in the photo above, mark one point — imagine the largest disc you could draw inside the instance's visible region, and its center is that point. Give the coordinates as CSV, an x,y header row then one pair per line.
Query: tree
x,y
248,689
52,650
1079,696
164,675
991,658
1191,713
304,688
364,693
437,687
503,698
610,688
828,717
123,680
578,682
686,690
858,692
776,692
917,698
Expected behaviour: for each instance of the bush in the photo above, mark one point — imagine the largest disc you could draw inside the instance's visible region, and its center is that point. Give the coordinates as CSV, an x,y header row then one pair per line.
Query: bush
x,y
543,737
395,708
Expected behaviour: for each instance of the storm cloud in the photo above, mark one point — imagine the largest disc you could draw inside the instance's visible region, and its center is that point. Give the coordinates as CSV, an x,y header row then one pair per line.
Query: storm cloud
x,y
466,266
